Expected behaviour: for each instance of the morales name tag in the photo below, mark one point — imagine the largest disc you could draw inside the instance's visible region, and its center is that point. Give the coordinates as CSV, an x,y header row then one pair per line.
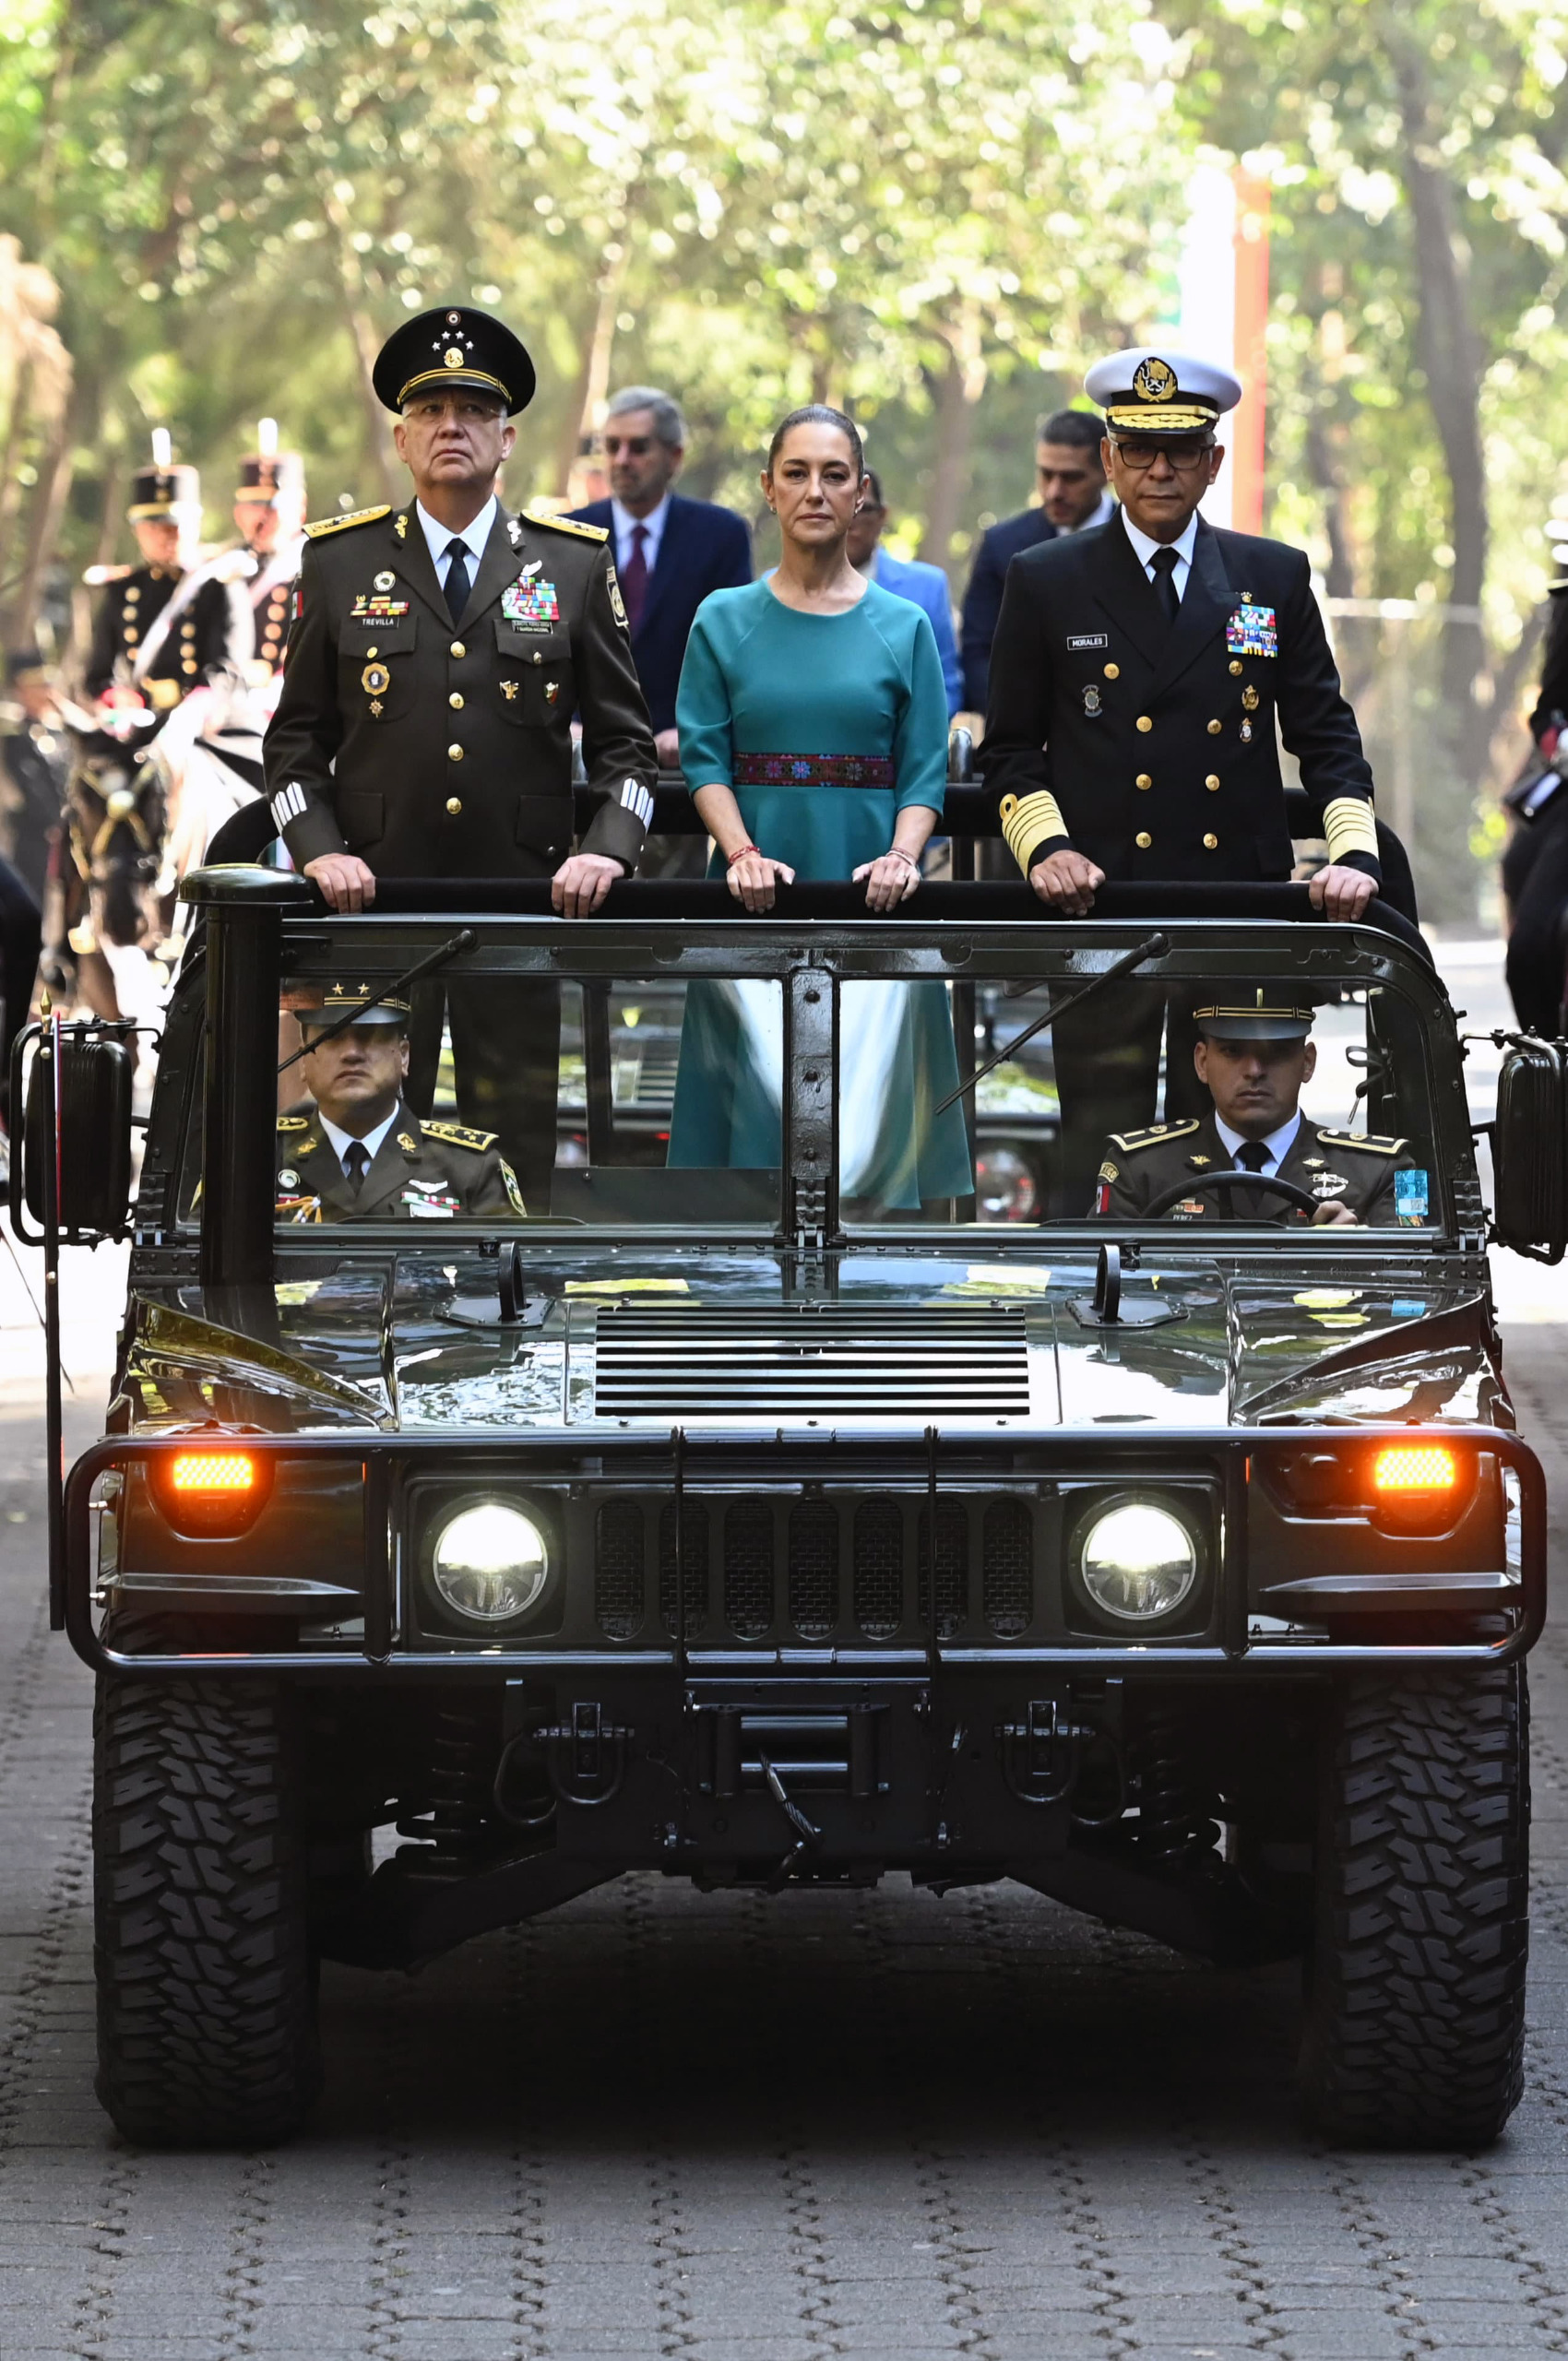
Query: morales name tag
x,y
531,604
1088,639
1252,631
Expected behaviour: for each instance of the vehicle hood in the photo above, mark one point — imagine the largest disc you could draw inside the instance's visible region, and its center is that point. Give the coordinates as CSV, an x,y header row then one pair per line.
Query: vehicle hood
x,y
616,1341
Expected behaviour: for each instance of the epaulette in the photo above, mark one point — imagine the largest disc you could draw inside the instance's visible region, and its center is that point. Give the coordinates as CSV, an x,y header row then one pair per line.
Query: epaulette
x,y
293,1122
1371,1143
460,1135
325,525
1156,1136
1553,587
565,525
97,577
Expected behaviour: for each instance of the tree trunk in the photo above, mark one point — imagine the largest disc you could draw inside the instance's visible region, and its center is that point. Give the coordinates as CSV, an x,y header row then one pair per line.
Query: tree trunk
x,y
46,508
958,389
379,451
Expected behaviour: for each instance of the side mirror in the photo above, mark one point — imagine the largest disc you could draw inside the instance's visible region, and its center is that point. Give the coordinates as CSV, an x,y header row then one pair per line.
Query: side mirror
x,y
1529,1150
94,1156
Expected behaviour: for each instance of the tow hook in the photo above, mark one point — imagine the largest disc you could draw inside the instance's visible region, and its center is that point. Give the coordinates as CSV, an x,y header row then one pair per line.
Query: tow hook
x,y
1040,1755
808,1836
587,1756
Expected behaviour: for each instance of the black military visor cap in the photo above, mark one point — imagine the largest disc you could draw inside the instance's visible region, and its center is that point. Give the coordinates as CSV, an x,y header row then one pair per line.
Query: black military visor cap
x,y
1259,1015
349,1001
450,348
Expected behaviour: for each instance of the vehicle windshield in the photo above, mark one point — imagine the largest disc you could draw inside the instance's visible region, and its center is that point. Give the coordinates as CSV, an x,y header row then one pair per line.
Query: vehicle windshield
x,y
1000,1079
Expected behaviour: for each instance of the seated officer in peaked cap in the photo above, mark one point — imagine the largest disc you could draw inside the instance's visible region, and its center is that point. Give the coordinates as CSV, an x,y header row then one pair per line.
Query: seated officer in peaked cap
x,y
1136,676
360,1154
1252,1058
437,655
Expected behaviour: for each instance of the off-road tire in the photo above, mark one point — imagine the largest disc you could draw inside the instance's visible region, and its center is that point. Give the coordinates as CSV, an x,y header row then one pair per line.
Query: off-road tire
x,y
1414,2005
205,1995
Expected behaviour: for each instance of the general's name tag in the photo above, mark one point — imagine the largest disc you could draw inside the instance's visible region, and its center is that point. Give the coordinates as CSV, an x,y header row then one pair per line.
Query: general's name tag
x,y
1088,639
1252,631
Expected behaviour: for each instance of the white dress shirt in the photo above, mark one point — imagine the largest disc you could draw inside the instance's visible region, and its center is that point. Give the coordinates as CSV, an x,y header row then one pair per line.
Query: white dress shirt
x,y
1278,1143
440,537
370,1141
1184,548
625,524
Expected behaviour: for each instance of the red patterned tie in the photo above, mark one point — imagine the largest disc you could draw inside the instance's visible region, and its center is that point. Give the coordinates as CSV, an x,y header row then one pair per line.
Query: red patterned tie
x,y
633,584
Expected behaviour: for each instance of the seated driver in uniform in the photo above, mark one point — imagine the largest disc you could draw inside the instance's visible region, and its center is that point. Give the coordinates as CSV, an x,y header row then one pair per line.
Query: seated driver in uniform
x,y
1255,1061
359,1155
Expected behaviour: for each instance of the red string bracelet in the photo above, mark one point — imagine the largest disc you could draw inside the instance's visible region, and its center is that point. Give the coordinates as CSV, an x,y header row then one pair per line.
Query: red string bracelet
x,y
740,853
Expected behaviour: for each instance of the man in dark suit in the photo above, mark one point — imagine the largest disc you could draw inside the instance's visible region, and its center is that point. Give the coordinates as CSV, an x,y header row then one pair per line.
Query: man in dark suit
x,y
1137,673
670,551
436,658
1072,497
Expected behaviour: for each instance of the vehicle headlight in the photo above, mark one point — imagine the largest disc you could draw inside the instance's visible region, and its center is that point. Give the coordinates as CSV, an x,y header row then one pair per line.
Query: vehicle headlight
x,y
1137,1562
489,1562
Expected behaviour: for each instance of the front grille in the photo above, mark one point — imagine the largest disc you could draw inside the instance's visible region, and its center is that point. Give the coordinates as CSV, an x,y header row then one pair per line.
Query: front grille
x,y
889,1362
841,1569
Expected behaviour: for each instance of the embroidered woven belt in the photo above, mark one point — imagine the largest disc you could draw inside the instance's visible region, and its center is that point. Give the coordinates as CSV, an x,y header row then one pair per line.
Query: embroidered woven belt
x,y
813,770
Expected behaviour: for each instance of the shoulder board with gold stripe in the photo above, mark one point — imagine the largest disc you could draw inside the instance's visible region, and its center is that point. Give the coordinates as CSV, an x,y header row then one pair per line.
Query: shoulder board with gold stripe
x,y
566,525
1369,1143
325,525
460,1135
293,1122
1554,587
1156,1136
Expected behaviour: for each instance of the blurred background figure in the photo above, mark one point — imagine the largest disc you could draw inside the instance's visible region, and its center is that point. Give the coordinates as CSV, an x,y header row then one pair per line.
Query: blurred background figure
x,y
269,510
669,552
34,758
924,585
1535,861
1074,496
161,626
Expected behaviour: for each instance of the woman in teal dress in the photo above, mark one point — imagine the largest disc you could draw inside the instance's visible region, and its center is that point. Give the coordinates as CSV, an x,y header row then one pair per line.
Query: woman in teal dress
x,y
814,731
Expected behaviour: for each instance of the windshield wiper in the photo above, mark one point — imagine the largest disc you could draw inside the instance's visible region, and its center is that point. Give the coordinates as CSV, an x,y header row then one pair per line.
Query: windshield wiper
x,y
1154,948
416,973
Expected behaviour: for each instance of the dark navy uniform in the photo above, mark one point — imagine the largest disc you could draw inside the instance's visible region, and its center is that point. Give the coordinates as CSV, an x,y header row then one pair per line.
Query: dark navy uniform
x,y
421,1172
1338,1167
201,634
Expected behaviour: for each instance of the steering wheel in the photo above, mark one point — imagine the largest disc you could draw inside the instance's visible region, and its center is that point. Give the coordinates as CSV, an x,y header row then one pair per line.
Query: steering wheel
x,y
1286,1189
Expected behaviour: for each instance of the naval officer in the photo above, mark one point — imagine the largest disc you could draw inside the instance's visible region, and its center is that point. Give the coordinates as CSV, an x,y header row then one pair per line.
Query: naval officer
x,y
1136,677
435,663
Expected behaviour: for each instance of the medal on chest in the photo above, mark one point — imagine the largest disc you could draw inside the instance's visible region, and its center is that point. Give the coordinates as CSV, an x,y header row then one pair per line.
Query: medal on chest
x,y
1252,631
534,604
373,608
1093,704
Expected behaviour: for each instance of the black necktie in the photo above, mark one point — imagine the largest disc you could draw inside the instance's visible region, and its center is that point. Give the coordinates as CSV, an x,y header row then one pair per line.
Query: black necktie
x,y
356,1164
1164,564
456,579
1250,1157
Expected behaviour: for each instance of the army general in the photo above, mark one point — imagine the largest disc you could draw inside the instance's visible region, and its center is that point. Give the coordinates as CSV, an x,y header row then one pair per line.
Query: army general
x,y
436,658
1135,678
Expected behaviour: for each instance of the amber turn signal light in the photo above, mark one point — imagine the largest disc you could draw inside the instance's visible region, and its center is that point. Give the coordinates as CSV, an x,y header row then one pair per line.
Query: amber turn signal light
x,y
212,1488
1415,1471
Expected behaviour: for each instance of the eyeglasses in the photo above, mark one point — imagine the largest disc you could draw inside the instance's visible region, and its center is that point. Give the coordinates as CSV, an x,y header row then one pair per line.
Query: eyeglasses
x,y
1140,457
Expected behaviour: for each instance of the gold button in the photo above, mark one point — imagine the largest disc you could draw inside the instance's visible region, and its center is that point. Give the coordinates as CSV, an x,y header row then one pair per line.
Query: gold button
x,y
1211,782
456,701
1213,728
1236,664
1113,671
1144,721
1211,843
1143,840
1144,779
370,651
538,656
454,805
458,648
454,753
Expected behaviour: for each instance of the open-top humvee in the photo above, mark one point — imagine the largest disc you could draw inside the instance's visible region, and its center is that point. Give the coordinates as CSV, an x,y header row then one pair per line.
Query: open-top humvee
x,y
721,1523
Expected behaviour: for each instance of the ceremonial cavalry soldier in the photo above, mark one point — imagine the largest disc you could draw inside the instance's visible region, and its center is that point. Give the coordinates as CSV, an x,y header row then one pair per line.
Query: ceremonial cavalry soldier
x,y
1252,1058
163,625
359,1153
435,661
1135,679
269,509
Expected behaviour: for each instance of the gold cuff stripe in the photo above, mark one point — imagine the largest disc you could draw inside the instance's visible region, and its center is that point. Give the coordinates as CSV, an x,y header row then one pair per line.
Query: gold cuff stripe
x,y
1147,419
463,376
1029,823
1350,825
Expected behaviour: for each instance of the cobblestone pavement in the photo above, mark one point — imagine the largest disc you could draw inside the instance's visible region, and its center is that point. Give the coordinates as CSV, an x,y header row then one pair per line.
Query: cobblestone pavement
x,y
738,2130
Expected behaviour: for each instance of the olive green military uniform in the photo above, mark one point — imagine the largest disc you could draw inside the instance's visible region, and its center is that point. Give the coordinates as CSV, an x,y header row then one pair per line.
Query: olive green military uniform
x,y
420,1172
439,750
1350,1168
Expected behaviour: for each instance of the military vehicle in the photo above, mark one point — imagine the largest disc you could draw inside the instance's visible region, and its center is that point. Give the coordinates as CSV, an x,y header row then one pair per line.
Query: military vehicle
x,y
767,1522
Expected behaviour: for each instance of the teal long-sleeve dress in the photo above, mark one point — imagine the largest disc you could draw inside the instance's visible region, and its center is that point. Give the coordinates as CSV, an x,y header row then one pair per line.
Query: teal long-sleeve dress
x,y
762,679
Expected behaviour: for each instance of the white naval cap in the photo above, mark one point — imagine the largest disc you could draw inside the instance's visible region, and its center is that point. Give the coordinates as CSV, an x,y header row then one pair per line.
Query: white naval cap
x,y
1151,392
